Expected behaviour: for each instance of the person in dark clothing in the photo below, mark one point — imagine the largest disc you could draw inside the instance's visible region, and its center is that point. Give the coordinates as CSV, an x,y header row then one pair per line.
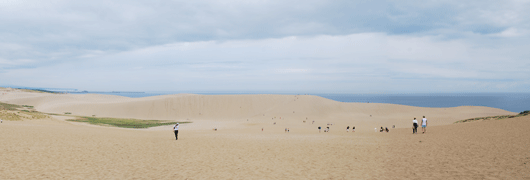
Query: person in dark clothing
x,y
176,130
414,126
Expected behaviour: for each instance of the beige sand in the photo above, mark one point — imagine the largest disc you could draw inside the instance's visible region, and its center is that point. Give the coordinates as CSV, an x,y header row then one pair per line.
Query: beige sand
x,y
54,148
262,110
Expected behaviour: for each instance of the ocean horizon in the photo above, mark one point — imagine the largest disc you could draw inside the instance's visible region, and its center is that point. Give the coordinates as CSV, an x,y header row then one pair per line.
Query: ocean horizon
x,y
514,102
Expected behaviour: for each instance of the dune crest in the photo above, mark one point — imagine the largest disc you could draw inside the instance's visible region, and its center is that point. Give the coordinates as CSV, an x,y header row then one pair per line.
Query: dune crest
x,y
260,108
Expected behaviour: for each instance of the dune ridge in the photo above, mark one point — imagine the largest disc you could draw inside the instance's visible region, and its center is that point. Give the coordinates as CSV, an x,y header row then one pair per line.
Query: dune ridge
x,y
52,148
258,108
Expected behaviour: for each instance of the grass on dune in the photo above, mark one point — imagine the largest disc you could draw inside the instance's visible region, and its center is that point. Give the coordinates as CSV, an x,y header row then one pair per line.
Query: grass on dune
x,y
27,106
124,123
11,112
10,115
524,113
11,107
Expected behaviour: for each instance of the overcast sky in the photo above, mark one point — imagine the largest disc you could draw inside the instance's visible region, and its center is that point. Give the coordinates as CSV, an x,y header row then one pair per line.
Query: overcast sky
x,y
298,46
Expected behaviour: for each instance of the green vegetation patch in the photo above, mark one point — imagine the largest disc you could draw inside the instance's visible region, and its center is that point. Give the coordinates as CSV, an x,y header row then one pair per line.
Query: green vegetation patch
x,y
11,116
524,113
124,123
31,107
11,107
11,112
39,91
35,114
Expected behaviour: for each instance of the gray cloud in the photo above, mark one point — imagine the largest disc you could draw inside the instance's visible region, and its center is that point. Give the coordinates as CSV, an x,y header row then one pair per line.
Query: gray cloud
x,y
71,27
352,63
282,41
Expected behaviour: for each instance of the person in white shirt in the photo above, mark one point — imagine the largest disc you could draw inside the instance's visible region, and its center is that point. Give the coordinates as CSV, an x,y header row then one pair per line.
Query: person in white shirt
x,y
176,130
414,126
424,124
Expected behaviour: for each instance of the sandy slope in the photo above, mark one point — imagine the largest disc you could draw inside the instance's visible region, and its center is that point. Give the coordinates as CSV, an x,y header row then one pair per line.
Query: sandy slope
x,y
57,149
498,149
258,109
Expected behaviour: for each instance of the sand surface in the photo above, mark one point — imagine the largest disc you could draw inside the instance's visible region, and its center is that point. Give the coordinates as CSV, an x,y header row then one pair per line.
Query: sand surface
x,y
53,148
261,110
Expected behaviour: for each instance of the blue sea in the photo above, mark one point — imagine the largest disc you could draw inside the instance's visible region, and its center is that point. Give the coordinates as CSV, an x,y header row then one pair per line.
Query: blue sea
x,y
514,102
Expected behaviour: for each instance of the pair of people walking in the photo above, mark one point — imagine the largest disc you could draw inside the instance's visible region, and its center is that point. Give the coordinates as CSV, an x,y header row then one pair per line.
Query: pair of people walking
x,y
415,125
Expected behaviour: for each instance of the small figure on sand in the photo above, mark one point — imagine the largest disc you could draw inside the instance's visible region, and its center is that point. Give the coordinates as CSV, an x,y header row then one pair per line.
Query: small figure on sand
x,y
313,122
381,130
353,129
424,124
414,126
261,129
328,129
386,129
176,130
285,129
348,129
319,128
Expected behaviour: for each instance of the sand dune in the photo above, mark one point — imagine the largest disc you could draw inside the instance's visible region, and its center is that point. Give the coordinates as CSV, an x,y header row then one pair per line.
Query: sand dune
x,y
261,109
53,149
58,149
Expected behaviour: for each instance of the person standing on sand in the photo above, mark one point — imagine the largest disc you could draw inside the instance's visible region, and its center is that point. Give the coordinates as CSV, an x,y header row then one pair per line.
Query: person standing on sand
x,y
319,129
176,130
348,129
414,126
424,124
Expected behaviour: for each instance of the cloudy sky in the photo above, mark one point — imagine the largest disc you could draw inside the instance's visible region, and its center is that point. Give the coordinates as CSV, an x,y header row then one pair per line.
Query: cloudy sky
x,y
299,46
